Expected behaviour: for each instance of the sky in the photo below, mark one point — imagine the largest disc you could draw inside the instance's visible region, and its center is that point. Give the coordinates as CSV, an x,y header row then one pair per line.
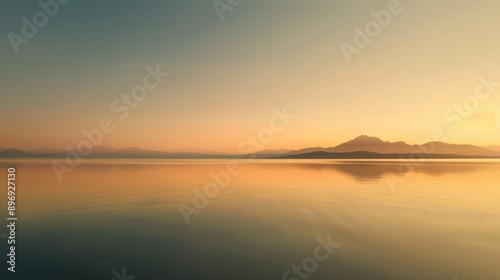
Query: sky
x,y
228,77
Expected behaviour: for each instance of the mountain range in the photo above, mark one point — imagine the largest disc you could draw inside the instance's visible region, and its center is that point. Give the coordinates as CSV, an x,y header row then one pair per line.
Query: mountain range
x,y
359,147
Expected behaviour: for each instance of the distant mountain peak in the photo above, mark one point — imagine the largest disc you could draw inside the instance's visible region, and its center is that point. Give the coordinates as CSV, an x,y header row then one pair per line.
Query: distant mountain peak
x,y
14,151
366,138
371,144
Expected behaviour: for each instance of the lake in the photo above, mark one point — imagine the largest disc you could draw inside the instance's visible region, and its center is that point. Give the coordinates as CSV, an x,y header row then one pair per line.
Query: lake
x,y
271,221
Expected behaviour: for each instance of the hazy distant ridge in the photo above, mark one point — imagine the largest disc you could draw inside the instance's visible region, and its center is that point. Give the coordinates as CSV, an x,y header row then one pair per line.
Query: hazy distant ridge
x,y
360,147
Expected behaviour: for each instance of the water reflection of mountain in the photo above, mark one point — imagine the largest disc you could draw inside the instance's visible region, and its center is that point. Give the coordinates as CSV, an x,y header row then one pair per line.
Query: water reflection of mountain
x,y
368,171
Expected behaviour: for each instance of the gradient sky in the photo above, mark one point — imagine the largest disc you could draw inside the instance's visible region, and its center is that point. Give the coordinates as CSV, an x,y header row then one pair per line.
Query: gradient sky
x,y
226,77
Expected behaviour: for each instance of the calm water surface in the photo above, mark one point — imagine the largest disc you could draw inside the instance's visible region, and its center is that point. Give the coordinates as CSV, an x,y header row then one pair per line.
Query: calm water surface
x,y
441,222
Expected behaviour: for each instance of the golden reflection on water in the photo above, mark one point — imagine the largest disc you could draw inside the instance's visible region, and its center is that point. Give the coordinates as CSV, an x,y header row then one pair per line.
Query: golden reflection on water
x,y
443,220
